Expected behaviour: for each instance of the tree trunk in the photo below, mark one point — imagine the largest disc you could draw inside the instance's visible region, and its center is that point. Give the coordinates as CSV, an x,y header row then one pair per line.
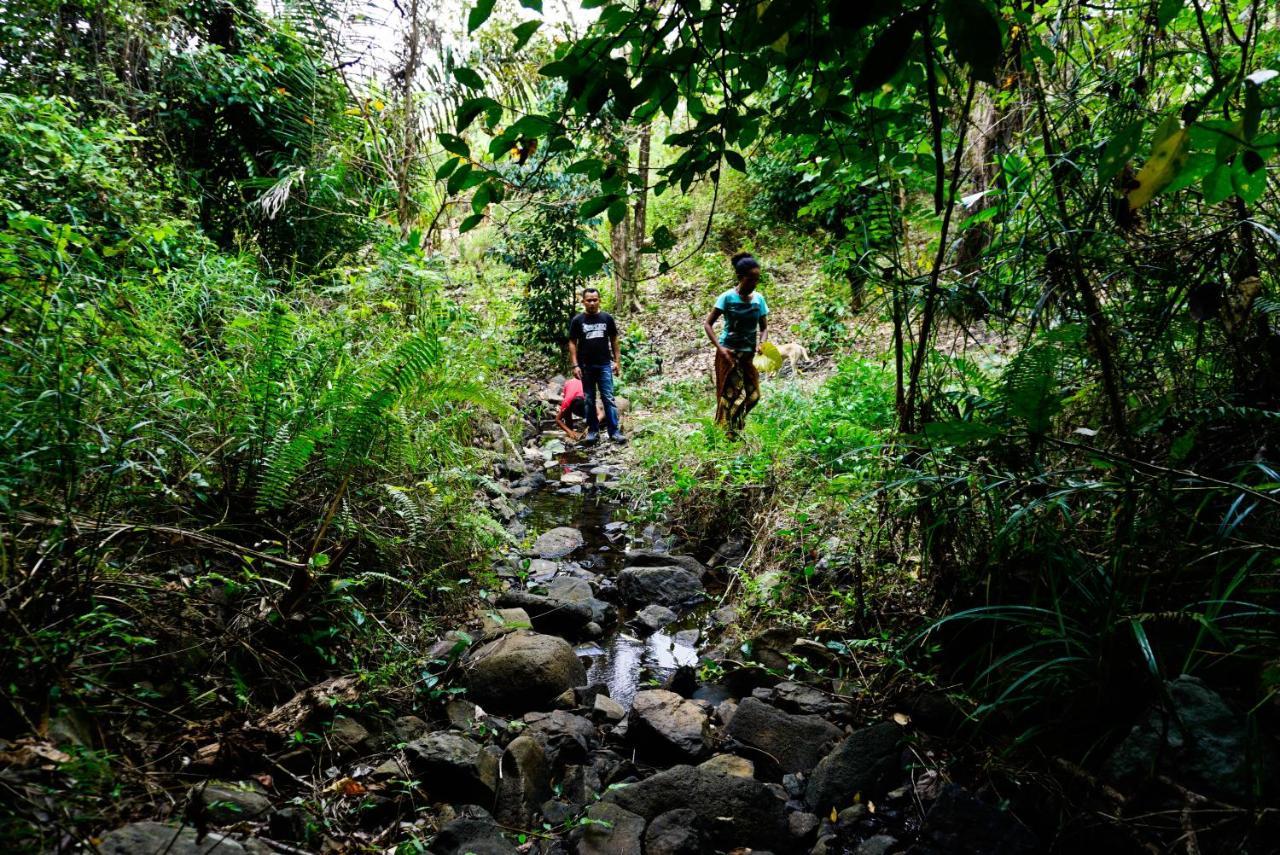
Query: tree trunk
x,y
635,270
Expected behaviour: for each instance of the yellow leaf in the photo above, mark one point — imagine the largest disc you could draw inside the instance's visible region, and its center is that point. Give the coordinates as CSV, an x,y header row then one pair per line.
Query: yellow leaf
x,y
834,816
378,105
352,111
1167,157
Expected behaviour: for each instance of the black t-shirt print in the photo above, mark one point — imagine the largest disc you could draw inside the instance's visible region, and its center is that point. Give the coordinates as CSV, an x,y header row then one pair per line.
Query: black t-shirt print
x,y
594,335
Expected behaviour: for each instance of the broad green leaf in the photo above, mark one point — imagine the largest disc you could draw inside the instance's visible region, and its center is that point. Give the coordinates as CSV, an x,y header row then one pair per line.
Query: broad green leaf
x,y
470,223
1217,184
535,5
663,238
479,14
593,207
888,54
468,77
1196,167
1167,157
458,178
1122,147
454,145
1249,186
472,107
447,167
735,160
590,263
973,36
1168,10
524,32
617,212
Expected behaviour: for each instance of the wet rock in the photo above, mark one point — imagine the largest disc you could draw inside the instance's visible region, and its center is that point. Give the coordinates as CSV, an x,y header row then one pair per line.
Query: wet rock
x,y
574,490
522,671
724,616
673,833
472,832
347,736
863,763
407,728
157,838
851,816
496,622
541,570
712,693
453,767
803,827
670,586
391,769
959,824
731,552
731,811
524,782
683,681
881,844
771,647
227,803
725,711
730,764
652,618
781,742
549,615
569,589
462,714
828,844
743,681
607,709
805,699
1198,740
558,542
686,637
613,831
667,726
564,737
559,811
655,558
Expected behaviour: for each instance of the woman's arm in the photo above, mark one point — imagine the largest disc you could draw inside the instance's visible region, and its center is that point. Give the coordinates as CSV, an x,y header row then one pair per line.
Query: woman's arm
x,y
708,325
764,334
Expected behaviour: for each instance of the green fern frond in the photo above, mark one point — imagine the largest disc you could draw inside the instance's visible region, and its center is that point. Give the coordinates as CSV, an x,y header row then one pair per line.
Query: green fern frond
x,y
284,461
409,510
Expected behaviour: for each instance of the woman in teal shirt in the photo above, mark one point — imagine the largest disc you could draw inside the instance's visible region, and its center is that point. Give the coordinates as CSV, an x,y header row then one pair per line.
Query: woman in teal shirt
x,y
744,311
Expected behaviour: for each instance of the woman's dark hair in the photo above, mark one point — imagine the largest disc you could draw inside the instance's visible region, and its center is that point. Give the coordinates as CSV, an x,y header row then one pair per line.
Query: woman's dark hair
x,y
578,407
743,263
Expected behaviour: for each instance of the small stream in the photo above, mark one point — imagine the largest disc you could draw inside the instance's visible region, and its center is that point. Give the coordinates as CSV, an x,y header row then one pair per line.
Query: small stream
x,y
622,659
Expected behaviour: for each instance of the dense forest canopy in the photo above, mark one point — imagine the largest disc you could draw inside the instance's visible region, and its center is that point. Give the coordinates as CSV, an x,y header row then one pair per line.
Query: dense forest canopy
x,y
282,293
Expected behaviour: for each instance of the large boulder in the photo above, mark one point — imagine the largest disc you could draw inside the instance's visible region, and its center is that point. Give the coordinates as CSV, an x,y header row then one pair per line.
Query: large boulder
x,y
667,726
671,586
780,742
731,811
157,838
557,543
863,763
453,767
1194,737
522,671
959,824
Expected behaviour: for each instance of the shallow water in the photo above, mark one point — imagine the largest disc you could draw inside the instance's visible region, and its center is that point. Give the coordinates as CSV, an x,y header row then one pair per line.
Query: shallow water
x,y
621,659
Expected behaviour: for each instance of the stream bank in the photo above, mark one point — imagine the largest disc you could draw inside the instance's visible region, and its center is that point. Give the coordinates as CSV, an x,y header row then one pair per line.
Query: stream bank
x,y
610,707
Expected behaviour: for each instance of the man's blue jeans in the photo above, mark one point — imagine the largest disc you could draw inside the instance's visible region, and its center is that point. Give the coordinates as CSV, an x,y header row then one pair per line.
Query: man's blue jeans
x,y
601,377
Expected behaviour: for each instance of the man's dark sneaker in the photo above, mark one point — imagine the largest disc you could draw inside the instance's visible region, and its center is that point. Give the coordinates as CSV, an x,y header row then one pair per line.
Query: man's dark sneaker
x,y
618,437
591,439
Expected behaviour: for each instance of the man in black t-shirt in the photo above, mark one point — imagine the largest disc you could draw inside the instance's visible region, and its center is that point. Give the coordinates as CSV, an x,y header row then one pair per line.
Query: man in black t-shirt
x,y
595,353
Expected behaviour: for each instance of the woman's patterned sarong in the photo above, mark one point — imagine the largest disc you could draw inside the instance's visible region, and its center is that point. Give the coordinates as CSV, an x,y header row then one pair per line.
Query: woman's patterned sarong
x,y
737,390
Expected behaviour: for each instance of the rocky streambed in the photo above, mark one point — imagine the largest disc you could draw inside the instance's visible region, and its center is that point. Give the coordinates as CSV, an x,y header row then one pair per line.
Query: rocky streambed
x,y
608,709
